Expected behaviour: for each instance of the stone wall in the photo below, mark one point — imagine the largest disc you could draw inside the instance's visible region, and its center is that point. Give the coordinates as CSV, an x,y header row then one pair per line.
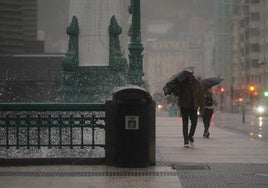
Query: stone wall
x,y
30,78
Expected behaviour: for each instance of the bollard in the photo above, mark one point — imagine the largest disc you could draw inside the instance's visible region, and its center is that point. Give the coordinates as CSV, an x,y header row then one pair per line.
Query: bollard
x,y
243,114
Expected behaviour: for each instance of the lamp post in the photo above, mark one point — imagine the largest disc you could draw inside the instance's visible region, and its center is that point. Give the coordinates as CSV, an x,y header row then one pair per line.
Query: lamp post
x,y
262,64
264,73
135,47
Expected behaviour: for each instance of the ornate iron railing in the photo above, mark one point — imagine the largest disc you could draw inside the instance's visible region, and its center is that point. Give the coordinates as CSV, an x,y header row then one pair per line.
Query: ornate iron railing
x,y
53,125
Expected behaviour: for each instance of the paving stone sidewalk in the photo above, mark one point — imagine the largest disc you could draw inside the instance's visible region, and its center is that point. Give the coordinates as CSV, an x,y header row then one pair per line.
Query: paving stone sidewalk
x,y
226,159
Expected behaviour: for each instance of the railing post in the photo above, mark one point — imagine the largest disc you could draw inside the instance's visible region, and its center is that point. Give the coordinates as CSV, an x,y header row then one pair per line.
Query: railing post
x,y
93,123
71,132
28,131
49,122
7,123
82,122
60,130
38,124
17,132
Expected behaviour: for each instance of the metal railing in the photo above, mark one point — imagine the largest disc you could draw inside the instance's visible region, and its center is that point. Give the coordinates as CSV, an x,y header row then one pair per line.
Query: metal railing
x,y
52,125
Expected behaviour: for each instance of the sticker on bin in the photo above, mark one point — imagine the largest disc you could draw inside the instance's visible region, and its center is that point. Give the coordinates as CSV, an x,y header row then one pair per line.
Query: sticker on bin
x,y
132,122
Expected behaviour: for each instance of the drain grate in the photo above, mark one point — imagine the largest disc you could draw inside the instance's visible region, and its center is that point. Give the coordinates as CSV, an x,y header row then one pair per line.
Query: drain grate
x,y
189,167
223,175
61,174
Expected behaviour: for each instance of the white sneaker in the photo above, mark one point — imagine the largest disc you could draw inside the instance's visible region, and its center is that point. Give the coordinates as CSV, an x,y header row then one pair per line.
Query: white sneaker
x,y
192,143
186,145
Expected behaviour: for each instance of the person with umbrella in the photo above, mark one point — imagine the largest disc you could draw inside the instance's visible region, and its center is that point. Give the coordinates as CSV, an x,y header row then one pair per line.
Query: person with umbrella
x,y
210,103
190,96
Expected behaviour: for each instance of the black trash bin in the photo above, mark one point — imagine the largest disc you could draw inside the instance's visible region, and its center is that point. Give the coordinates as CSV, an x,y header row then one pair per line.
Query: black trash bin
x,y
130,128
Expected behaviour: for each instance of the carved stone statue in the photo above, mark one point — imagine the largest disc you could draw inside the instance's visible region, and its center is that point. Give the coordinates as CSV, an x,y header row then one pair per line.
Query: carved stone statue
x,y
73,32
117,61
114,31
71,58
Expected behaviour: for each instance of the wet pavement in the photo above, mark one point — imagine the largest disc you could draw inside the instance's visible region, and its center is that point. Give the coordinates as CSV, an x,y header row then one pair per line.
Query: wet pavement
x,y
227,159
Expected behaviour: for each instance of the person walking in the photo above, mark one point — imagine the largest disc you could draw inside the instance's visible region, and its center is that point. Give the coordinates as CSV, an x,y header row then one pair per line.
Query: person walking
x,y
190,96
210,103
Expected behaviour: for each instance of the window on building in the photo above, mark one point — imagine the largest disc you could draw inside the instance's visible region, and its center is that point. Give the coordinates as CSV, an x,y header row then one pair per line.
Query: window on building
x,y
259,79
242,52
236,9
255,32
255,47
247,20
247,35
255,63
255,1
246,64
248,79
255,16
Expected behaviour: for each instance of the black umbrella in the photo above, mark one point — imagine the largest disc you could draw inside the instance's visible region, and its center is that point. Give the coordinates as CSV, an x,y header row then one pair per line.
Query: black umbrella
x,y
174,81
210,82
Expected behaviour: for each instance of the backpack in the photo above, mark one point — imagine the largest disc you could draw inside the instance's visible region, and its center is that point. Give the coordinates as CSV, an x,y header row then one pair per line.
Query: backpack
x,y
209,101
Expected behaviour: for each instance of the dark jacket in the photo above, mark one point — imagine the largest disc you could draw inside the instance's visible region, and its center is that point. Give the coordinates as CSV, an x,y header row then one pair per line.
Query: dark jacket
x,y
191,94
210,94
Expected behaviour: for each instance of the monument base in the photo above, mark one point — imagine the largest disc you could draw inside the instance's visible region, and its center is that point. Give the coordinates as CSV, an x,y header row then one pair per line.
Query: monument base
x,y
92,84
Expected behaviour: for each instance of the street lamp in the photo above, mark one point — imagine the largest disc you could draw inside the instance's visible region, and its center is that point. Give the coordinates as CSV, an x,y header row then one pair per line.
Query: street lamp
x,y
264,72
251,88
135,47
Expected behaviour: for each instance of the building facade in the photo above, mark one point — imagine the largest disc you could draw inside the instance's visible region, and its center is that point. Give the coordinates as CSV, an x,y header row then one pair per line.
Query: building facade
x,y
18,27
11,26
241,47
251,23
264,43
